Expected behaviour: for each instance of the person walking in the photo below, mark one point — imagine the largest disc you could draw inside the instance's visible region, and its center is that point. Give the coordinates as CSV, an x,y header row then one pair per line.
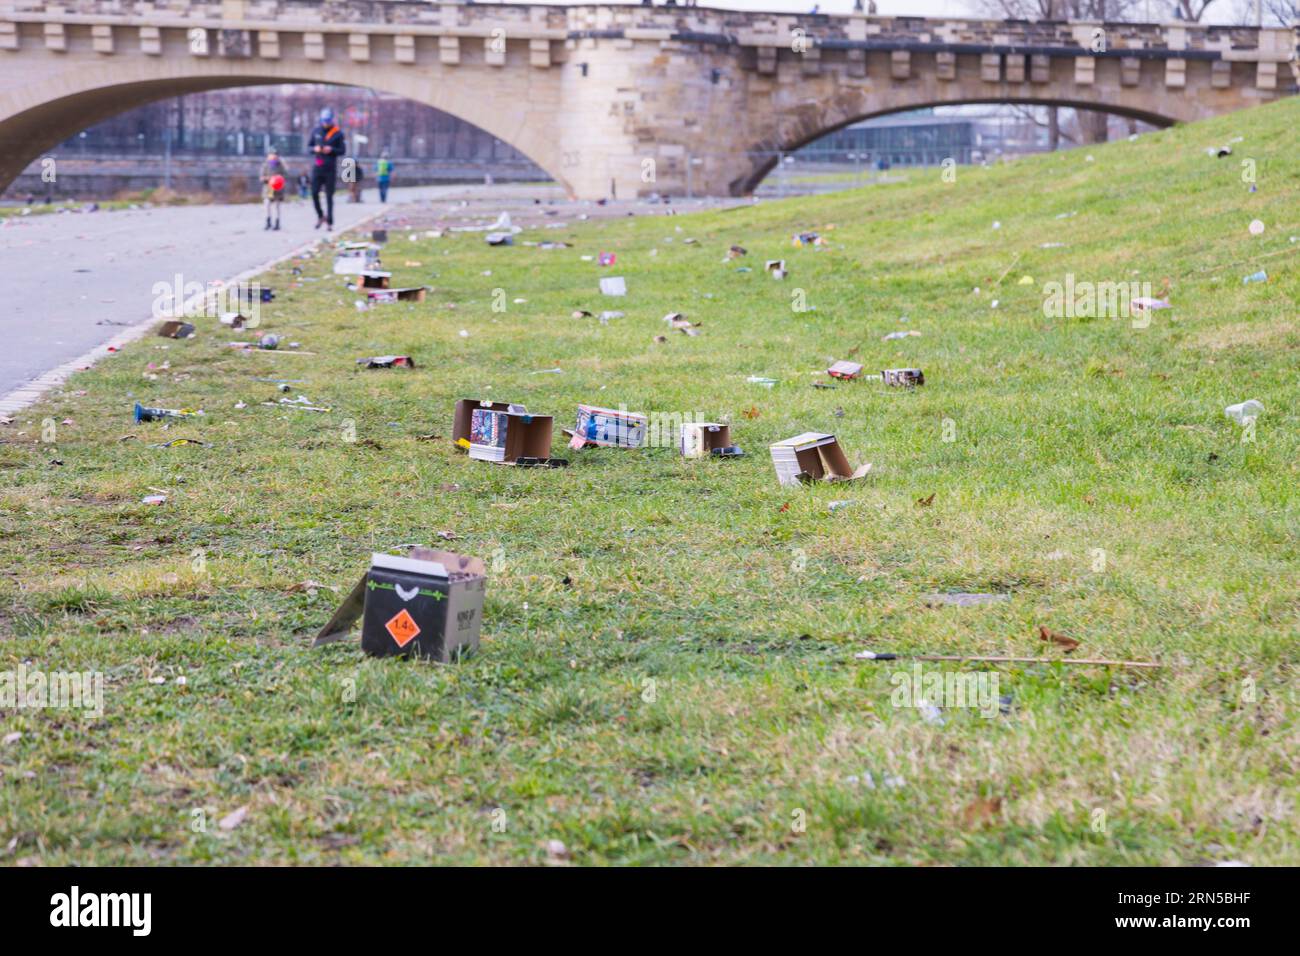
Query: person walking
x,y
326,146
274,176
384,174
358,174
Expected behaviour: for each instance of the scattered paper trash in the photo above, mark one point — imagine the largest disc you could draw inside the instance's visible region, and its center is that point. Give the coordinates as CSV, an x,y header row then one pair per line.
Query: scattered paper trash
x,y
1260,276
900,334
613,285
1256,227
760,380
426,604
154,500
607,258
845,370
387,361
499,239
775,268
143,413
964,598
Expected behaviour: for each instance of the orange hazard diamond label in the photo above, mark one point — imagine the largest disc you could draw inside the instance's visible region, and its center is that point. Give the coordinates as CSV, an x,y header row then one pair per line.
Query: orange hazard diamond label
x,y
403,628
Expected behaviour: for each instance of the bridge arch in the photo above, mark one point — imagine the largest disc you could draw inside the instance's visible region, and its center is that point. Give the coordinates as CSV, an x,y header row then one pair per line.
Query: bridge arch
x,y
810,121
36,118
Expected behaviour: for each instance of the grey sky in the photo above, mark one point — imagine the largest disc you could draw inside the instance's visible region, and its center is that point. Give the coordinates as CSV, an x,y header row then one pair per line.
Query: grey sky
x,y
1222,11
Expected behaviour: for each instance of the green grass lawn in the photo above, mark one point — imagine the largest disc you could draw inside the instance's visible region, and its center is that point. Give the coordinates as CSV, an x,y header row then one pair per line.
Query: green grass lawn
x,y
667,671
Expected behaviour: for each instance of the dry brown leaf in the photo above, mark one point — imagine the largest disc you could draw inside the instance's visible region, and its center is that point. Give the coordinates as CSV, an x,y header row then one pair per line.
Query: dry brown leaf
x,y
926,502
1060,640
752,412
980,811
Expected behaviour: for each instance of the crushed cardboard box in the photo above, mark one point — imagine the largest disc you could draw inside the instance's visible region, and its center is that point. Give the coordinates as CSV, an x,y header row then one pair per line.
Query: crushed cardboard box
x,y
607,427
845,370
176,329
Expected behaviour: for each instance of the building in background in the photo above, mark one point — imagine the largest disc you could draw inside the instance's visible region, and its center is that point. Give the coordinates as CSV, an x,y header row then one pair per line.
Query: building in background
x,y
927,138
214,142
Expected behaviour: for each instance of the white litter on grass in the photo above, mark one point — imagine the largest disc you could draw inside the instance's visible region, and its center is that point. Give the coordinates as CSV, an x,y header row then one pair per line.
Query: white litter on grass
x,y
1256,227
1246,411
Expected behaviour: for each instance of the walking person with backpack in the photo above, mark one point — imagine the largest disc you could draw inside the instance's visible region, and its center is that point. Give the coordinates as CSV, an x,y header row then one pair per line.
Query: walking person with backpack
x,y
326,146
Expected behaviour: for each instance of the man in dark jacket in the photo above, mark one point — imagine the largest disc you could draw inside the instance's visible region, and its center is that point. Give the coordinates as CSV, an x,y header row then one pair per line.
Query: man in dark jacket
x,y
326,146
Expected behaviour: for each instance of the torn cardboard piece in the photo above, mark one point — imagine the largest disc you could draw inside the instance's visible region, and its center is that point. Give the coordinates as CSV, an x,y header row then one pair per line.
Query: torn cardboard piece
x,y
775,268
428,604
176,329
607,427
813,456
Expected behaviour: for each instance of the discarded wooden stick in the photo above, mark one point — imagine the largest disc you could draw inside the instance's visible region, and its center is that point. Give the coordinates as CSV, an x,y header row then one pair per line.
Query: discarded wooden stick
x,y
872,656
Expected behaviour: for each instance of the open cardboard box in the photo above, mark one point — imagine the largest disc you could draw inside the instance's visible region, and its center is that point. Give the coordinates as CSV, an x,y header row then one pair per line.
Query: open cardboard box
x,y
813,456
504,433
375,280
845,370
699,439
426,604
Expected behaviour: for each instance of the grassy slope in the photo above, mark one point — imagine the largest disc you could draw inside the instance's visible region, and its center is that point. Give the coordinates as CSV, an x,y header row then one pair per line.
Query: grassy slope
x,y
1071,435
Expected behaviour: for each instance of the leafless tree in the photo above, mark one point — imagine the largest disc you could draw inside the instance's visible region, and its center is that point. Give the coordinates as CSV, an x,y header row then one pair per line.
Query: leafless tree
x,y
1191,10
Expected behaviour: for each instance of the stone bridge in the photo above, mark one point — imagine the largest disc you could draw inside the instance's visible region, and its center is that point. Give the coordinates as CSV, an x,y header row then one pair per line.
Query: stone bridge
x,y
615,100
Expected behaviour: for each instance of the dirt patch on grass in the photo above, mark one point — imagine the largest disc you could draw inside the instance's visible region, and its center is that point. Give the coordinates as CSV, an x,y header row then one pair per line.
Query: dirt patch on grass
x,y
1242,334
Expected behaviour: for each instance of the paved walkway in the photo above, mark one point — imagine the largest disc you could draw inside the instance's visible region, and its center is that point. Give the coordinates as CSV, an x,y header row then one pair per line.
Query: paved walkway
x,y
74,281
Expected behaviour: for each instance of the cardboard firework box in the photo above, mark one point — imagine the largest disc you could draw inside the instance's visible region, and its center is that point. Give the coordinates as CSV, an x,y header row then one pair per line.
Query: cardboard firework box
x,y
375,280
504,433
607,427
811,457
700,439
845,370
354,258
427,604
903,377
412,294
